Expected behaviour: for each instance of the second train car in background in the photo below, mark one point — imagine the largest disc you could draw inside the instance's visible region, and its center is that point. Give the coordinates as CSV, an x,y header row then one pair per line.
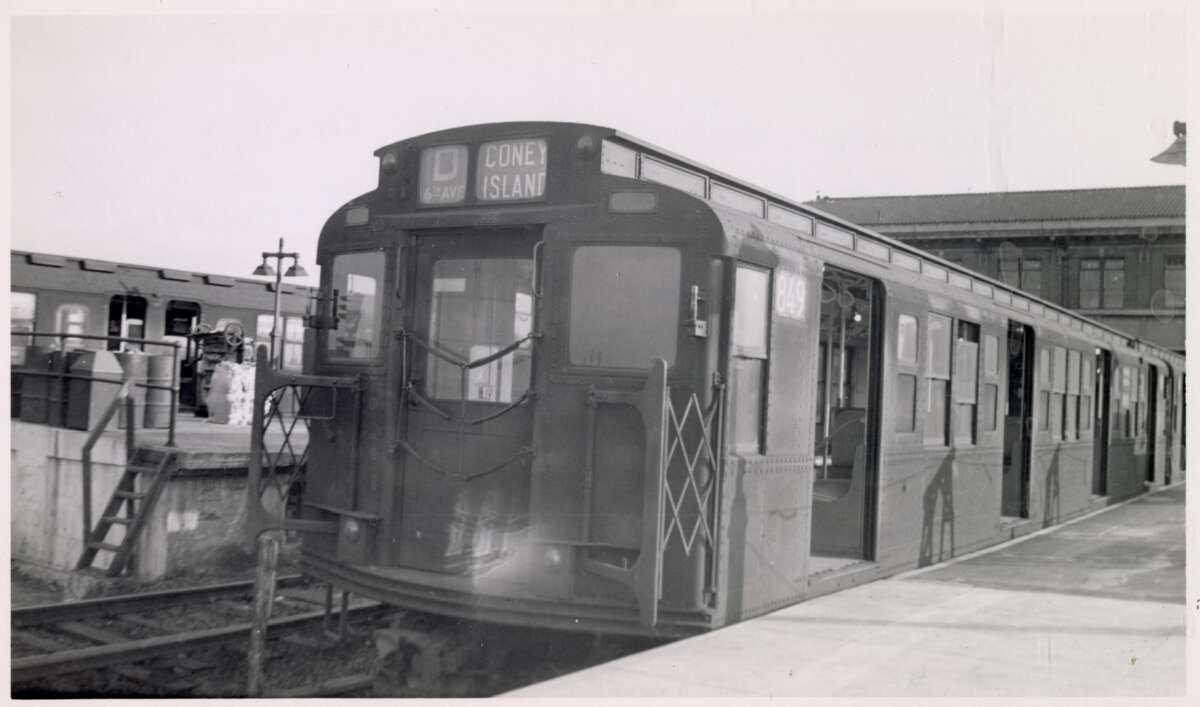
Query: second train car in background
x,y
579,382
54,293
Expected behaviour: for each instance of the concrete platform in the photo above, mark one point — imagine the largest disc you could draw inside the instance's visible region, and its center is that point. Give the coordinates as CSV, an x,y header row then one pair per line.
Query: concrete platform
x,y
1094,607
205,446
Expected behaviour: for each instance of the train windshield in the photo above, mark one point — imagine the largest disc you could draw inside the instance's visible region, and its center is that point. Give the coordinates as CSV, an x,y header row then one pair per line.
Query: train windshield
x,y
479,307
357,277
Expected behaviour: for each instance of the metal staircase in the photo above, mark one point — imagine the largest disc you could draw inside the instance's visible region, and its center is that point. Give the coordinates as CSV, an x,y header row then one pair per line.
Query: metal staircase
x,y
146,475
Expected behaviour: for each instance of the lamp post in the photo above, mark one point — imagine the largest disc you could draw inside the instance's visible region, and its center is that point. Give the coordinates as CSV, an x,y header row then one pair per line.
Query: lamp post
x,y
1176,152
265,270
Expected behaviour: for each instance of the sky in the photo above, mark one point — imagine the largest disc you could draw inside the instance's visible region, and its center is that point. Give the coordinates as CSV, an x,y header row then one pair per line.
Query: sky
x,y
195,141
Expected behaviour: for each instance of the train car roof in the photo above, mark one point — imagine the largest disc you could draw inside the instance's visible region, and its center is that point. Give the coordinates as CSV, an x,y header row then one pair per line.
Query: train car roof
x,y
648,147
710,173
101,265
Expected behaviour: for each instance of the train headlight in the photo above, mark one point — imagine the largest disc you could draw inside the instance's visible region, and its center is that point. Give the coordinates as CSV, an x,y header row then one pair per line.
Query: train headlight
x,y
390,163
352,530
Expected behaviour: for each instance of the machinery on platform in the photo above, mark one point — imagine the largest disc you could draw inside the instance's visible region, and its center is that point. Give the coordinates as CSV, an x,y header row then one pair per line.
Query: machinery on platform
x,y
564,378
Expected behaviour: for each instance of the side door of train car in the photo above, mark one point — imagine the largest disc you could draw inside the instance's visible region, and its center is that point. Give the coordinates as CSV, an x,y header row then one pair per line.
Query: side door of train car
x,y
468,352
845,413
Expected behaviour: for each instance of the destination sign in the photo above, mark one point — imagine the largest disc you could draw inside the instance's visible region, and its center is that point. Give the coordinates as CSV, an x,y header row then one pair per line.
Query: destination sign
x,y
511,170
443,174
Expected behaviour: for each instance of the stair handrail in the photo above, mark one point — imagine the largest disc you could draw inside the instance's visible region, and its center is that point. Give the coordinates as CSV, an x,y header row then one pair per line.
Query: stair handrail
x,y
123,397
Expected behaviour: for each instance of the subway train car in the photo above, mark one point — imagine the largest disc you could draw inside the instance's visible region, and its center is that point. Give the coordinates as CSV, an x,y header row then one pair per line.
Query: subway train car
x,y
54,293
564,378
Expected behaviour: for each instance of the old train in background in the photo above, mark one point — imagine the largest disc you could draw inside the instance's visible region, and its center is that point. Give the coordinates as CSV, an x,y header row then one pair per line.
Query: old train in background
x,y
564,378
54,293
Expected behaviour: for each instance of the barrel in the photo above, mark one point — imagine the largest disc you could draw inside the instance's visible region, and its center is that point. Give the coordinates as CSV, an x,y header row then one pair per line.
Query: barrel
x,y
87,399
35,389
158,400
133,363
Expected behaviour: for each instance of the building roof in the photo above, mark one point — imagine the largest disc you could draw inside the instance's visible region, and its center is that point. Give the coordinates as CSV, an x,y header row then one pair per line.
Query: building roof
x,y
992,207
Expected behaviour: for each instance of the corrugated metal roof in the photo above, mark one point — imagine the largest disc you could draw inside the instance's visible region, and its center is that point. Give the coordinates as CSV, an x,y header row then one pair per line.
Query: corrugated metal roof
x,y
1057,205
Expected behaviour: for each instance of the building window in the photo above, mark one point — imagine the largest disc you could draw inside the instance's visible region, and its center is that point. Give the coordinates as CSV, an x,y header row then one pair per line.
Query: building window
x,y
1175,281
23,305
1025,273
1101,283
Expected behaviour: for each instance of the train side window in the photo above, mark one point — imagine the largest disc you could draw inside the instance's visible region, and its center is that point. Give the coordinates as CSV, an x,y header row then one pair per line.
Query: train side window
x,y
1058,389
937,338
625,305
1043,401
71,319
750,322
23,308
907,337
1070,402
181,317
357,278
966,382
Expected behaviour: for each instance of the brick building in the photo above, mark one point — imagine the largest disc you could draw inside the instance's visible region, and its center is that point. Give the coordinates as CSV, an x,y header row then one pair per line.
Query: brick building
x,y
1116,255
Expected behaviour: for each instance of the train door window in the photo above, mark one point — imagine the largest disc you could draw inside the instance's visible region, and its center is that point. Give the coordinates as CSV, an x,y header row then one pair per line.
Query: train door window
x,y
23,309
1070,431
1139,413
474,313
937,370
1086,386
1126,393
906,382
625,303
356,277
126,319
181,317
1018,433
750,322
293,344
989,392
966,382
71,319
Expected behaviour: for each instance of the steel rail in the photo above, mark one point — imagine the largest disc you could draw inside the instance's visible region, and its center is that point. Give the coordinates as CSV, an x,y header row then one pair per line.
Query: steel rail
x,y
45,614
81,659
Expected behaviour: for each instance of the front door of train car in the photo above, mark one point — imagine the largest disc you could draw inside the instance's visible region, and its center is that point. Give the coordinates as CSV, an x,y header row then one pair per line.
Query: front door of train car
x,y
467,357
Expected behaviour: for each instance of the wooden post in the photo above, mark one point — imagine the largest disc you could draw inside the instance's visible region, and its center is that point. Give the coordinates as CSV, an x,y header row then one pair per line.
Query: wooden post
x,y
264,597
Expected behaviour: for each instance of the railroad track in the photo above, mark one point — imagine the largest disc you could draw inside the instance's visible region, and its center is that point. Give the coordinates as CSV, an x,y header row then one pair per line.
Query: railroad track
x,y
147,639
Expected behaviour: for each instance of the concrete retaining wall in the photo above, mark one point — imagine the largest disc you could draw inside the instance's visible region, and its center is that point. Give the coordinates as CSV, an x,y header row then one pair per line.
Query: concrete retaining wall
x,y
196,524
